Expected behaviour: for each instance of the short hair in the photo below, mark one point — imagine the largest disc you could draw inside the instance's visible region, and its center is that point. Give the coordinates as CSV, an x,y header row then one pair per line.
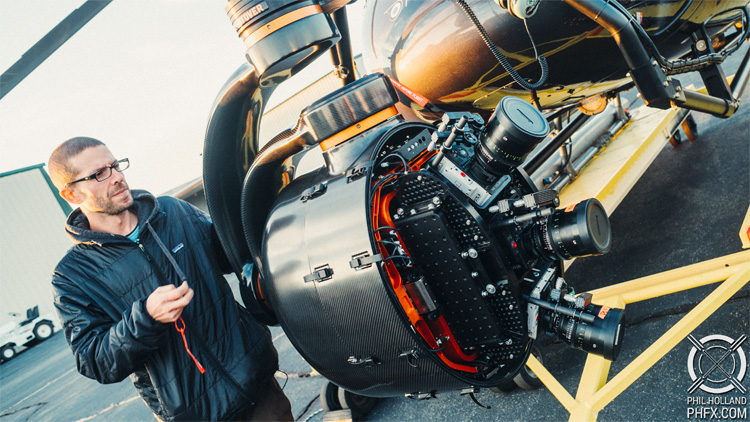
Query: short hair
x,y
60,169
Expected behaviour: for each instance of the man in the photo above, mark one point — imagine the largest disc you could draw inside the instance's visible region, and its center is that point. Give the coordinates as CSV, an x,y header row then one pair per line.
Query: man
x,y
141,293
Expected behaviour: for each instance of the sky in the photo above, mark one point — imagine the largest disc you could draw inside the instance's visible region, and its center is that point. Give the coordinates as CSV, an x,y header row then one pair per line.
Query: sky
x,y
141,76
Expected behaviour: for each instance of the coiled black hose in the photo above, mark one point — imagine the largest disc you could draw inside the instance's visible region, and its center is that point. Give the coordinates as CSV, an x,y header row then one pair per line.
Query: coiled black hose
x,y
499,56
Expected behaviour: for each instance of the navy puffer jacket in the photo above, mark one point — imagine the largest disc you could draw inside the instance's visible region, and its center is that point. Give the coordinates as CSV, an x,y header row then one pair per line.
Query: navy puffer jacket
x,y
101,287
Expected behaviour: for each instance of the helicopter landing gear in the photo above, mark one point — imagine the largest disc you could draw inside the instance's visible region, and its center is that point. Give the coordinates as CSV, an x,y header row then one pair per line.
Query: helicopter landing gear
x,y
690,127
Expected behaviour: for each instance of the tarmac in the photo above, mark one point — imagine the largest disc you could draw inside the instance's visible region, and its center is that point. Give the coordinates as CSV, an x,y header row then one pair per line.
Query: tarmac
x,y
687,208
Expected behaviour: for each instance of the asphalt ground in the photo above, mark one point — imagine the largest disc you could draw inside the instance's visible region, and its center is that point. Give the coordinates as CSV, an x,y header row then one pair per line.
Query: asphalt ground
x,y
686,208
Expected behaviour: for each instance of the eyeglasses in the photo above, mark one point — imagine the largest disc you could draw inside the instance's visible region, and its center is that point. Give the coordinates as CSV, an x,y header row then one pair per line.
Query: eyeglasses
x,y
105,172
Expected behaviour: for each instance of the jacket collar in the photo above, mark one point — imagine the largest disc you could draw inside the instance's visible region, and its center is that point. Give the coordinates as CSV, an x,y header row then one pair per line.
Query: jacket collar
x,y
77,227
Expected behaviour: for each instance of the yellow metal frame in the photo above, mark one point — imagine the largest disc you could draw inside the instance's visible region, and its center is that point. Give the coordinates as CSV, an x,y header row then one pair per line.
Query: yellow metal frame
x,y
609,178
594,392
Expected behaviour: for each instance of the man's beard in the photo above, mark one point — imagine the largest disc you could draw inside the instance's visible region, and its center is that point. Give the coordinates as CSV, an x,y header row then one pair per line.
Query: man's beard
x,y
109,207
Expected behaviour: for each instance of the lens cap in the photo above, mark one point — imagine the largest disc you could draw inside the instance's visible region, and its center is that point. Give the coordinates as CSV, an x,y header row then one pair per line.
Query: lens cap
x,y
523,117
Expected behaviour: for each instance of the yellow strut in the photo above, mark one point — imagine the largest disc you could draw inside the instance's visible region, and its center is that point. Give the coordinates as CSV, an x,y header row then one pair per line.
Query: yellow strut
x,y
594,392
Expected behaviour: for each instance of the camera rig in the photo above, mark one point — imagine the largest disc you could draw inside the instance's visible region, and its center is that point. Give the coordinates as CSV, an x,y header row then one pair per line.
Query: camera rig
x,y
420,257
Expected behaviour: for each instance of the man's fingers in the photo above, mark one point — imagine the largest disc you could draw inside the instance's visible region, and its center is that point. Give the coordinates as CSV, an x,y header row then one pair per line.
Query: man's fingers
x,y
176,293
180,302
164,289
166,303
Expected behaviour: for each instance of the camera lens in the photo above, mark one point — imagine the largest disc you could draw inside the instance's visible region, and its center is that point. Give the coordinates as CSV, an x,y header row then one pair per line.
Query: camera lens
x,y
603,337
512,132
578,230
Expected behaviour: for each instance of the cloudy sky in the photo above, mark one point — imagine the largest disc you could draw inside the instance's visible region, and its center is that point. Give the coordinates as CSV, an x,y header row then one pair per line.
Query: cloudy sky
x,y
141,76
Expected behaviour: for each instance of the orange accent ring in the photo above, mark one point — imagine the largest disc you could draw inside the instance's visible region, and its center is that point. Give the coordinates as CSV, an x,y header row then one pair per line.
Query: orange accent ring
x,y
280,22
358,128
603,312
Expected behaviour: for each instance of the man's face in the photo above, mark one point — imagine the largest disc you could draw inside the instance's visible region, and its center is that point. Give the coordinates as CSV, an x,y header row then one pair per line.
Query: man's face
x,y
111,196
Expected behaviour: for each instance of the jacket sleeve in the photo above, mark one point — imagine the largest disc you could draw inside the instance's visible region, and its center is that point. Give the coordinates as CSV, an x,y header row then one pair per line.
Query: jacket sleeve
x,y
104,349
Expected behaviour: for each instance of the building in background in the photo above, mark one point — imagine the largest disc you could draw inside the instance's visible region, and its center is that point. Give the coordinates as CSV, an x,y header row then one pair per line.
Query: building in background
x,y
32,240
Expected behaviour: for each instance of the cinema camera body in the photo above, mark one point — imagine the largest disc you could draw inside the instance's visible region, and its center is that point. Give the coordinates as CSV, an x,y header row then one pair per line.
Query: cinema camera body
x,y
419,257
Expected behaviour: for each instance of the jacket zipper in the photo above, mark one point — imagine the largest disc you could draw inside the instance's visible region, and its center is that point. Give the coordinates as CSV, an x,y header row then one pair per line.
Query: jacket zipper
x,y
199,339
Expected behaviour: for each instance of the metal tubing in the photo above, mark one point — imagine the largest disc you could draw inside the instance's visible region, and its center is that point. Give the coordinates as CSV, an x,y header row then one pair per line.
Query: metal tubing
x,y
341,53
740,78
539,158
716,106
645,72
619,26
586,157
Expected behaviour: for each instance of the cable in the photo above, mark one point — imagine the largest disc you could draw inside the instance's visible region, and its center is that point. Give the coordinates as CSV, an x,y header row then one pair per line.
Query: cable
x,y
286,380
499,56
313,414
407,168
404,257
381,182
684,65
309,405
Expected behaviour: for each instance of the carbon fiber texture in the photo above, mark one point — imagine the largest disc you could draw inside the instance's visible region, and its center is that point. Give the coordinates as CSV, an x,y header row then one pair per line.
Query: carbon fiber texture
x,y
347,326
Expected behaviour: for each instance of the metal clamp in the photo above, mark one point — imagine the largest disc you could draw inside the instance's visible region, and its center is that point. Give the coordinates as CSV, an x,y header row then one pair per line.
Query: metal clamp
x,y
320,274
364,261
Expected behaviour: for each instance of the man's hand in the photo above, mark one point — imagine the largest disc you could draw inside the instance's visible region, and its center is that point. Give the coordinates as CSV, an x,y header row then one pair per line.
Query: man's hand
x,y
166,303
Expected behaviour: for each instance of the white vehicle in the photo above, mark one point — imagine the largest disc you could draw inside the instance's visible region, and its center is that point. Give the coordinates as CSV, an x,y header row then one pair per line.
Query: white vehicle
x,y
15,334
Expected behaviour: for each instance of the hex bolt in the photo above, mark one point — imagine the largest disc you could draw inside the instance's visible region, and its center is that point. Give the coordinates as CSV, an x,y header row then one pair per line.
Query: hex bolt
x,y
436,200
701,45
468,222
509,342
400,211
510,307
475,275
464,254
412,211
484,294
491,289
